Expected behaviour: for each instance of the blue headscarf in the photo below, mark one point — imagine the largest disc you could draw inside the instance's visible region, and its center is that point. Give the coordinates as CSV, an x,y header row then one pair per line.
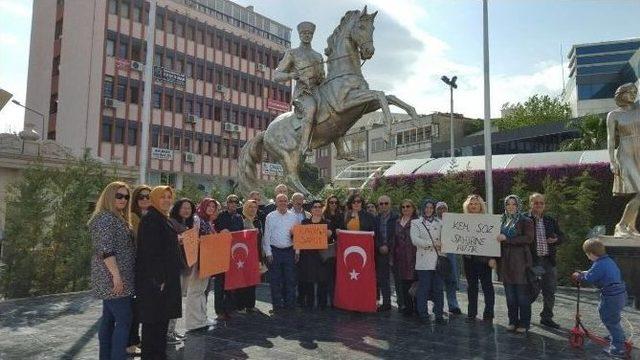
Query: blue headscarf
x,y
424,205
509,221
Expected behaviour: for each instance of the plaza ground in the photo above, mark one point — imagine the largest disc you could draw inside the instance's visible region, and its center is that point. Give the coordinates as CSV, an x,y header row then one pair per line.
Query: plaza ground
x,y
65,327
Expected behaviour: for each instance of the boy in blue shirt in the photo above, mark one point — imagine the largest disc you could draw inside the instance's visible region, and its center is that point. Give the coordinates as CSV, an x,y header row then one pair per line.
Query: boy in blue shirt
x,y
605,275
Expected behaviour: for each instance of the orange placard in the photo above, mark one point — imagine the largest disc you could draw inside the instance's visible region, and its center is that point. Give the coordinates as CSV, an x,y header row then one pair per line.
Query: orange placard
x,y
215,250
190,244
310,237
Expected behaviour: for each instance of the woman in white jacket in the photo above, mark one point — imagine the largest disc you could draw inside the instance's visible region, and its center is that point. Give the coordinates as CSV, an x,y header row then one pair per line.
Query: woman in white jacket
x,y
425,235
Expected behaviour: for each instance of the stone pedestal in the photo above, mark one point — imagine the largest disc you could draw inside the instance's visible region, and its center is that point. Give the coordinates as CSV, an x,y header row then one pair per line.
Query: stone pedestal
x,y
626,252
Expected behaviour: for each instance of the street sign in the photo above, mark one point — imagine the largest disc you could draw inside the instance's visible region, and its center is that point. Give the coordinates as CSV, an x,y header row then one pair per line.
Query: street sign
x,y
277,105
272,169
169,76
161,154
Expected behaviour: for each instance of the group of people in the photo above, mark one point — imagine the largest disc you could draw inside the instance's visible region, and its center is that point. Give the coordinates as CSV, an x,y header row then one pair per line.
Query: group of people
x,y
140,273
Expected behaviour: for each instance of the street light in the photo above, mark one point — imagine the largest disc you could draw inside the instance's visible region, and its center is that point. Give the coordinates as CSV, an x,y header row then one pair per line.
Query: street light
x,y
35,111
452,85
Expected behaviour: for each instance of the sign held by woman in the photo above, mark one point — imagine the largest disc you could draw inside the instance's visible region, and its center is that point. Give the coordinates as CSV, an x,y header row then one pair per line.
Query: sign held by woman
x,y
471,234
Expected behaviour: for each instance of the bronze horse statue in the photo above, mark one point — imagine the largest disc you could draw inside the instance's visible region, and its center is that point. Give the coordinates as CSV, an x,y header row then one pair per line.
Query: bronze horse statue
x,y
343,98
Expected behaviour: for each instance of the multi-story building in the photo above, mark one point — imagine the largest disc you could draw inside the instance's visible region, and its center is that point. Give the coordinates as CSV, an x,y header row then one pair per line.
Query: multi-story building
x,y
369,140
212,90
595,72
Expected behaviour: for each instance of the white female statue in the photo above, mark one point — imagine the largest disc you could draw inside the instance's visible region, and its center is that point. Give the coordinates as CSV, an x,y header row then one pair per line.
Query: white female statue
x,y
623,143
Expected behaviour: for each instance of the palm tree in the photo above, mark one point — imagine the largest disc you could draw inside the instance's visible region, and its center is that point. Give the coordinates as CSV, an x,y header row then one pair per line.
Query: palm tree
x,y
593,134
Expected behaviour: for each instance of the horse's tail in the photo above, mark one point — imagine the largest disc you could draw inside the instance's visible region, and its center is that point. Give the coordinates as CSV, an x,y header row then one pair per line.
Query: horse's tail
x,y
248,160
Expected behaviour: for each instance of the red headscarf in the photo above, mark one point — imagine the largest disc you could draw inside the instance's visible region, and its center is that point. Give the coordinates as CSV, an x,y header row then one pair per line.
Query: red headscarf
x,y
202,208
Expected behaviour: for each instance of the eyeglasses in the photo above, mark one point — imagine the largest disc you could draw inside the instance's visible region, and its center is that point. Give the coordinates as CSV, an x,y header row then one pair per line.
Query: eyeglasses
x,y
143,197
383,203
407,207
120,196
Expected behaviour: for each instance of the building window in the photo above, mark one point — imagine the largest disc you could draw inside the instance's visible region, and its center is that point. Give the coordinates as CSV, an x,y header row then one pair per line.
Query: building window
x,y
137,14
200,72
124,9
157,59
111,47
176,142
132,136
113,7
119,133
435,131
199,37
133,93
190,32
209,111
168,102
168,62
121,91
160,21
188,71
210,75
155,139
123,50
107,88
217,113
157,99
136,51
189,106
169,26
179,104
106,130
180,29
207,147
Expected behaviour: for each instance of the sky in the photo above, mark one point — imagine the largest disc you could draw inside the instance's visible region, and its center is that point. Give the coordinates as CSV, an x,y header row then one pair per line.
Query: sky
x,y
417,41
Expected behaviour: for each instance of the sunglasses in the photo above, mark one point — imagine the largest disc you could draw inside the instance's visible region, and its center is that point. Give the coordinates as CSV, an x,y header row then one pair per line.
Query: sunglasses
x,y
383,203
407,207
122,196
143,197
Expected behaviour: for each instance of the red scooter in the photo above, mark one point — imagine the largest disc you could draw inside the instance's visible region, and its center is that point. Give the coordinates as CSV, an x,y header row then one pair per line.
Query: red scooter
x,y
579,332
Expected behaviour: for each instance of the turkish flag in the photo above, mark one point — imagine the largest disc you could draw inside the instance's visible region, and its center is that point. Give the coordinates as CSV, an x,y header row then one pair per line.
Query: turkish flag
x,y
355,272
244,268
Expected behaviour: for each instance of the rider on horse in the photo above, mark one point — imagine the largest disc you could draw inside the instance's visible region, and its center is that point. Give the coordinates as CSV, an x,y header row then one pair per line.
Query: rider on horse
x,y
304,65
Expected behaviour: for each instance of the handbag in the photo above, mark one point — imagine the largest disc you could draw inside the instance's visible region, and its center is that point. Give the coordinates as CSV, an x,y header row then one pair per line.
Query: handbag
x,y
534,278
443,265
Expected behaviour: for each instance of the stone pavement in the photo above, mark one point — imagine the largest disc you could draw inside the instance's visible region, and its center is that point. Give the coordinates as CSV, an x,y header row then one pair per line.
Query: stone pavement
x,y
65,326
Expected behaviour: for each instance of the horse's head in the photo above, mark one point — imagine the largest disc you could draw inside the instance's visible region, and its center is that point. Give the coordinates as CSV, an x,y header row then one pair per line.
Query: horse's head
x,y
362,34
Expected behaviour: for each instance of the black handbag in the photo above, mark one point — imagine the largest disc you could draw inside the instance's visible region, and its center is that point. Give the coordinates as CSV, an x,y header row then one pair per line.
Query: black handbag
x,y
534,279
443,265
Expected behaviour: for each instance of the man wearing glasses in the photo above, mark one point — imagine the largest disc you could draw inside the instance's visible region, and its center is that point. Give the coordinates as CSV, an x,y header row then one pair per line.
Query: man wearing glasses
x,y
385,227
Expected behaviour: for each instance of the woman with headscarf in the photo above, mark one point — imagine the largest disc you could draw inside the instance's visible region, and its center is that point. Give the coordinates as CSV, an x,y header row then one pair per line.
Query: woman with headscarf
x,y
478,269
195,316
403,253
157,274
516,235
112,268
246,297
139,204
425,235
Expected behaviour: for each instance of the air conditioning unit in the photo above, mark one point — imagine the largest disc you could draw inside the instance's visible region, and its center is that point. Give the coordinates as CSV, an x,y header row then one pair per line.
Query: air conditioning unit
x,y
261,67
221,88
189,157
110,103
138,66
231,127
191,119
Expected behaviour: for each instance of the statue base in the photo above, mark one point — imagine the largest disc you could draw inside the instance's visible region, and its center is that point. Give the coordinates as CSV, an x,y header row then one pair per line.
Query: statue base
x,y
625,250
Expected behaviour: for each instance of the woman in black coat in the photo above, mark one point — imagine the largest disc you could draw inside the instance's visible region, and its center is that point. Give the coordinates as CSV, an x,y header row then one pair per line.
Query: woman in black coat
x,y
157,274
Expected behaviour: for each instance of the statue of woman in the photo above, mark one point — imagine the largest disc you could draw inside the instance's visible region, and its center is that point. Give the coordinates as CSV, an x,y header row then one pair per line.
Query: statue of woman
x,y
623,143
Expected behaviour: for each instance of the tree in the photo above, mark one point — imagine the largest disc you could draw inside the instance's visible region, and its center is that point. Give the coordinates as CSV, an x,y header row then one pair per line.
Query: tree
x,y
191,191
538,109
593,134
310,177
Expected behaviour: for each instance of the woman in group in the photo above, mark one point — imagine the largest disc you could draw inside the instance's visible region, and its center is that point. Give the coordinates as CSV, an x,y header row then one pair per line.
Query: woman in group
x,y
516,235
139,204
112,268
404,255
311,271
478,268
425,235
246,297
157,274
334,215
451,282
181,217
356,218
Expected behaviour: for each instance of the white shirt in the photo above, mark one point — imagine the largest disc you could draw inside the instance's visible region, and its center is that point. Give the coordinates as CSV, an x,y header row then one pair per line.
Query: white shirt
x,y
277,230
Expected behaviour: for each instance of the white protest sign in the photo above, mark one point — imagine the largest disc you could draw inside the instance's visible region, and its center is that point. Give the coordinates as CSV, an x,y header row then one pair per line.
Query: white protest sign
x,y
471,234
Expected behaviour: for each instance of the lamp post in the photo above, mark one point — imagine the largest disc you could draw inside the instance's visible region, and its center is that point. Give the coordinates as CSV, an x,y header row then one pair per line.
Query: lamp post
x,y
146,101
488,166
452,85
32,110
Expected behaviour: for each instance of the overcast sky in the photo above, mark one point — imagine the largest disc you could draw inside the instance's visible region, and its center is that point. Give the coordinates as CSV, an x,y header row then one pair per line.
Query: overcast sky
x,y
416,43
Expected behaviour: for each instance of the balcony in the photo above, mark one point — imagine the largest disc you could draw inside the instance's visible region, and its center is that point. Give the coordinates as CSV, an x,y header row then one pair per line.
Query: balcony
x,y
413,147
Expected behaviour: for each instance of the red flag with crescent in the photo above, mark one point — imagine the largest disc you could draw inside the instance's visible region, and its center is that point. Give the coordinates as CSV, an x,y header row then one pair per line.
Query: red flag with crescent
x,y
244,267
355,272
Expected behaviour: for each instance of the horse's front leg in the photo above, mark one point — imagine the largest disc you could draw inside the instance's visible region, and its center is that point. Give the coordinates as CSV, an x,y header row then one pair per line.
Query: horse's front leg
x,y
360,97
410,110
